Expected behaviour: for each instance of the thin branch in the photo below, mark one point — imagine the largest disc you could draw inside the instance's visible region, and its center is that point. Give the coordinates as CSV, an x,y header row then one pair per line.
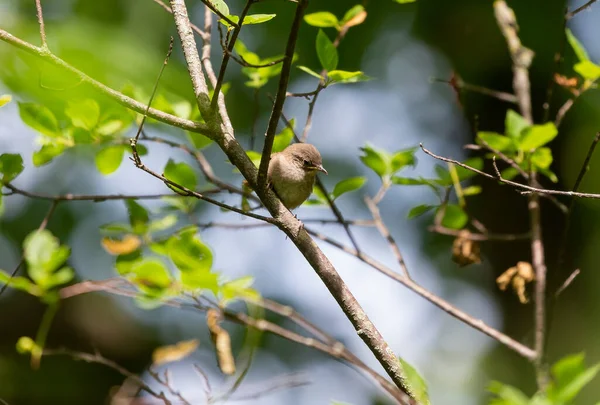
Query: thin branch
x,y
40,17
477,324
562,111
120,98
41,227
221,15
281,93
480,237
578,10
226,225
384,231
566,284
228,52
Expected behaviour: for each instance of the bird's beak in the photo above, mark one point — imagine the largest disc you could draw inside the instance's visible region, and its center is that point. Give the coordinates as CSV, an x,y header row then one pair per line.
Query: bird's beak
x,y
321,169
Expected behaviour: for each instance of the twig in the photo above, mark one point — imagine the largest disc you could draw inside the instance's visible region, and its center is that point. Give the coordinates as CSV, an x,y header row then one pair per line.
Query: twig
x,y
562,111
221,15
434,299
41,227
226,225
40,17
228,51
566,284
280,96
384,231
578,10
120,98
480,237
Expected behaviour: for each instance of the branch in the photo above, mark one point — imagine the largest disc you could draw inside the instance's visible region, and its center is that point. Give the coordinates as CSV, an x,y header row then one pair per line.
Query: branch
x,y
480,237
281,94
120,98
40,17
578,10
477,324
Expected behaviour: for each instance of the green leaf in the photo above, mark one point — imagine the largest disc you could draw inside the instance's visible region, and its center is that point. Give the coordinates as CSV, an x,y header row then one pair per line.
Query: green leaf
x,y
514,124
548,173
19,283
408,181
11,165
39,118
542,158
507,394
47,153
326,52
471,190
124,263
164,223
194,260
221,6
570,377
454,217
83,114
416,383
538,135
310,72
254,157
238,289
198,140
403,158
465,174
588,70
44,254
115,227
404,1
150,276
109,159
26,345
111,127
5,99
577,47
350,14
509,173
283,139
181,174
419,210
375,159
138,216
342,76
348,185
257,18
496,141
322,19
62,276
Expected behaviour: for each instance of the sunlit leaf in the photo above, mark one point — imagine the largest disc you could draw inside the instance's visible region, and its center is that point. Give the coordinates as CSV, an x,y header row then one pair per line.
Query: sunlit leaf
x,y
507,395
579,50
283,139
150,276
47,153
181,174
5,99
176,352
375,160
405,1
514,124
109,159
416,383
407,181
326,52
588,70
44,255
471,190
496,141
310,72
571,375
83,114
342,76
355,16
538,135
419,210
164,223
348,185
238,289
322,19
542,158
454,217
138,216
220,5
11,165
194,260
39,118
251,19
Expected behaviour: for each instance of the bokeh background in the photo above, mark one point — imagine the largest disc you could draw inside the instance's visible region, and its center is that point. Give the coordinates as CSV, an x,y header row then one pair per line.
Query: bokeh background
x,y
403,47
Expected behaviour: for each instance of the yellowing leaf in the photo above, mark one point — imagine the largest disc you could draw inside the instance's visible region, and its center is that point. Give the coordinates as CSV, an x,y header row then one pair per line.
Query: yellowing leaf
x,y
176,352
128,244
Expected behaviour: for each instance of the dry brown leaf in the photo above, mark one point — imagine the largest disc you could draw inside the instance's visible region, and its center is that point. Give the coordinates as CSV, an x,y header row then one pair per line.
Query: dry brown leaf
x,y
356,20
116,247
464,250
176,352
519,276
222,341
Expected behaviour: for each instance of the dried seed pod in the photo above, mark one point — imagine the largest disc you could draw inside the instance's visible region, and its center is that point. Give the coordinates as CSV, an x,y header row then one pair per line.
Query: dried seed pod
x,y
222,341
519,276
465,251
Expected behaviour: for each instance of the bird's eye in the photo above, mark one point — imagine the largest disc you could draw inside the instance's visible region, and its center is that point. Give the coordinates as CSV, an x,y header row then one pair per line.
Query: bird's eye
x,y
306,163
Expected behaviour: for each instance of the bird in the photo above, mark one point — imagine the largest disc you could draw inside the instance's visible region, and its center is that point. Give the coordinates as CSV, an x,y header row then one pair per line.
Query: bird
x,y
292,173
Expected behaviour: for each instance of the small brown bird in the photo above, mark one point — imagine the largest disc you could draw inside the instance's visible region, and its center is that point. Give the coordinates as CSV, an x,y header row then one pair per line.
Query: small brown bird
x,y
292,173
